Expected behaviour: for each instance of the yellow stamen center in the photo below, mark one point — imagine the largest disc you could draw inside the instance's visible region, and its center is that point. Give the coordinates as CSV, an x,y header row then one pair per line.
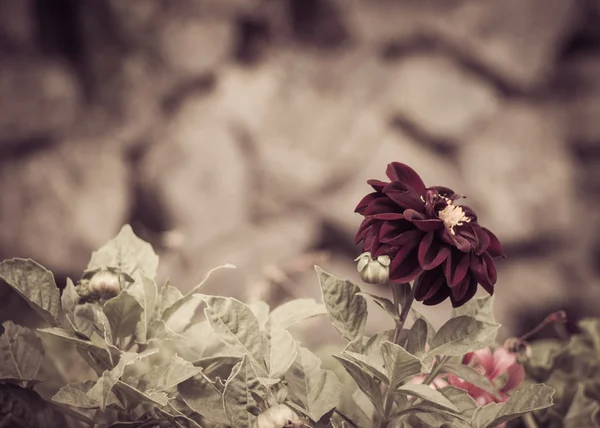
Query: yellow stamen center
x,y
452,216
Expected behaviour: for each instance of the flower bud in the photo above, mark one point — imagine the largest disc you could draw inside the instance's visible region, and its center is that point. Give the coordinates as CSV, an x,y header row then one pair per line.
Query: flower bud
x,y
280,416
104,283
373,271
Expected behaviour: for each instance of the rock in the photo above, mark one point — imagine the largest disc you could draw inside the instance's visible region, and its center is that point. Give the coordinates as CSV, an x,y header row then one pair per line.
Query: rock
x,y
196,172
38,99
58,205
521,181
338,207
438,97
251,248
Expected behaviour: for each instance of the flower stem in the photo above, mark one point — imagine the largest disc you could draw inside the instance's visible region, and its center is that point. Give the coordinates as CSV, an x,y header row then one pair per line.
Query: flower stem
x,y
405,309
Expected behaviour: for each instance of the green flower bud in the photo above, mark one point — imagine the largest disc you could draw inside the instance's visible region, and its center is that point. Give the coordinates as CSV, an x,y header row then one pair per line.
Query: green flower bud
x,y
104,283
280,416
373,271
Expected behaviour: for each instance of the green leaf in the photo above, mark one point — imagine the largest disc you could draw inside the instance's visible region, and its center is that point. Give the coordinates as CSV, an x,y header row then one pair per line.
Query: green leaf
x,y
583,411
35,284
235,324
317,389
168,295
399,363
478,308
368,364
261,310
128,253
524,400
69,300
281,351
384,303
419,316
373,347
427,393
21,352
75,394
416,342
363,403
101,391
237,395
347,309
470,375
123,313
138,397
169,375
146,293
83,319
203,397
365,380
179,314
403,291
461,335
591,327
294,311
460,398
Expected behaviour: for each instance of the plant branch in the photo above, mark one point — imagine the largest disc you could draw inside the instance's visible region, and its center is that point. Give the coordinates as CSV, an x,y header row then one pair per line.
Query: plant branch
x,y
405,309
346,418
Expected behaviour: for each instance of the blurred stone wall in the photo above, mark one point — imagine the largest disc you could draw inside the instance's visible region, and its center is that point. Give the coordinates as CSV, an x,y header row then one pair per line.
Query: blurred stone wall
x,y
243,131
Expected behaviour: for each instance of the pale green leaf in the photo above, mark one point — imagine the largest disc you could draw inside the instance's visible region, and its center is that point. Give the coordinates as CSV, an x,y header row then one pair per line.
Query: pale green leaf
x,y
261,310
69,300
368,364
347,309
479,308
100,392
237,395
461,335
416,342
182,311
203,397
426,393
399,363
470,375
583,411
128,253
35,284
365,380
100,355
146,293
123,313
363,403
158,398
430,329
373,347
294,311
168,295
235,324
460,398
83,319
524,400
591,326
169,375
384,303
21,352
282,349
317,389
75,394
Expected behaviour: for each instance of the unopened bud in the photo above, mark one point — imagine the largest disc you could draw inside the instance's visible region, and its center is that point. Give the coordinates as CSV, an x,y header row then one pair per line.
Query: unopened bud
x,y
104,283
373,271
280,416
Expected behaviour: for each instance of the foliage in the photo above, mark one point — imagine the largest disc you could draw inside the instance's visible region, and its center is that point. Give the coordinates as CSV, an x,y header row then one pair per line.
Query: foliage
x,y
149,361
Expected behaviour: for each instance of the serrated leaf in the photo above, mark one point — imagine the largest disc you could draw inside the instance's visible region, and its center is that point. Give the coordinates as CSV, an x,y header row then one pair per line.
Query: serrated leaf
x,y
168,295
75,394
460,398
297,310
416,342
203,397
347,309
461,335
281,350
524,400
35,284
128,253
21,352
384,303
368,364
235,324
399,363
470,375
83,319
146,293
426,393
182,311
316,388
237,397
373,346
101,391
158,398
169,375
123,313
365,381
479,308
69,300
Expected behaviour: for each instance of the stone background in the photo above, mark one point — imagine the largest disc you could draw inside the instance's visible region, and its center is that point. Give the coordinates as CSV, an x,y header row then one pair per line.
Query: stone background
x,y
243,131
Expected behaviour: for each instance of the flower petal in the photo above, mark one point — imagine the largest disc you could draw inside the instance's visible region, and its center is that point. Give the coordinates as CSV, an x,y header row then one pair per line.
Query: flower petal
x,y
402,173
392,229
516,375
457,241
484,270
471,288
484,358
405,264
441,295
364,202
429,284
456,267
365,228
431,252
411,237
381,205
445,192
483,239
378,185
495,248
503,359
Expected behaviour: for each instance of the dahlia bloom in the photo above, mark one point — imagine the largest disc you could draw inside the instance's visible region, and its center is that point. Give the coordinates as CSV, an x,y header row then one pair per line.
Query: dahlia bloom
x,y
502,364
426,234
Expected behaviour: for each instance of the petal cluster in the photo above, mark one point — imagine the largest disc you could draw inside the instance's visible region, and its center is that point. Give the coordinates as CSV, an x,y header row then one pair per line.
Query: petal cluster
x,y
427,235
500,367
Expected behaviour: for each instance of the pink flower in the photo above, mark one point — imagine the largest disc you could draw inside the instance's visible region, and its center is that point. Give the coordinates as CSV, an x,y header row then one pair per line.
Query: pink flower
x,y
501,368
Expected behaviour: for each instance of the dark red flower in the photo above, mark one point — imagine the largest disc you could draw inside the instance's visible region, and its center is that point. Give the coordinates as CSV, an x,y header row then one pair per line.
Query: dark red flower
x,y
427,234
